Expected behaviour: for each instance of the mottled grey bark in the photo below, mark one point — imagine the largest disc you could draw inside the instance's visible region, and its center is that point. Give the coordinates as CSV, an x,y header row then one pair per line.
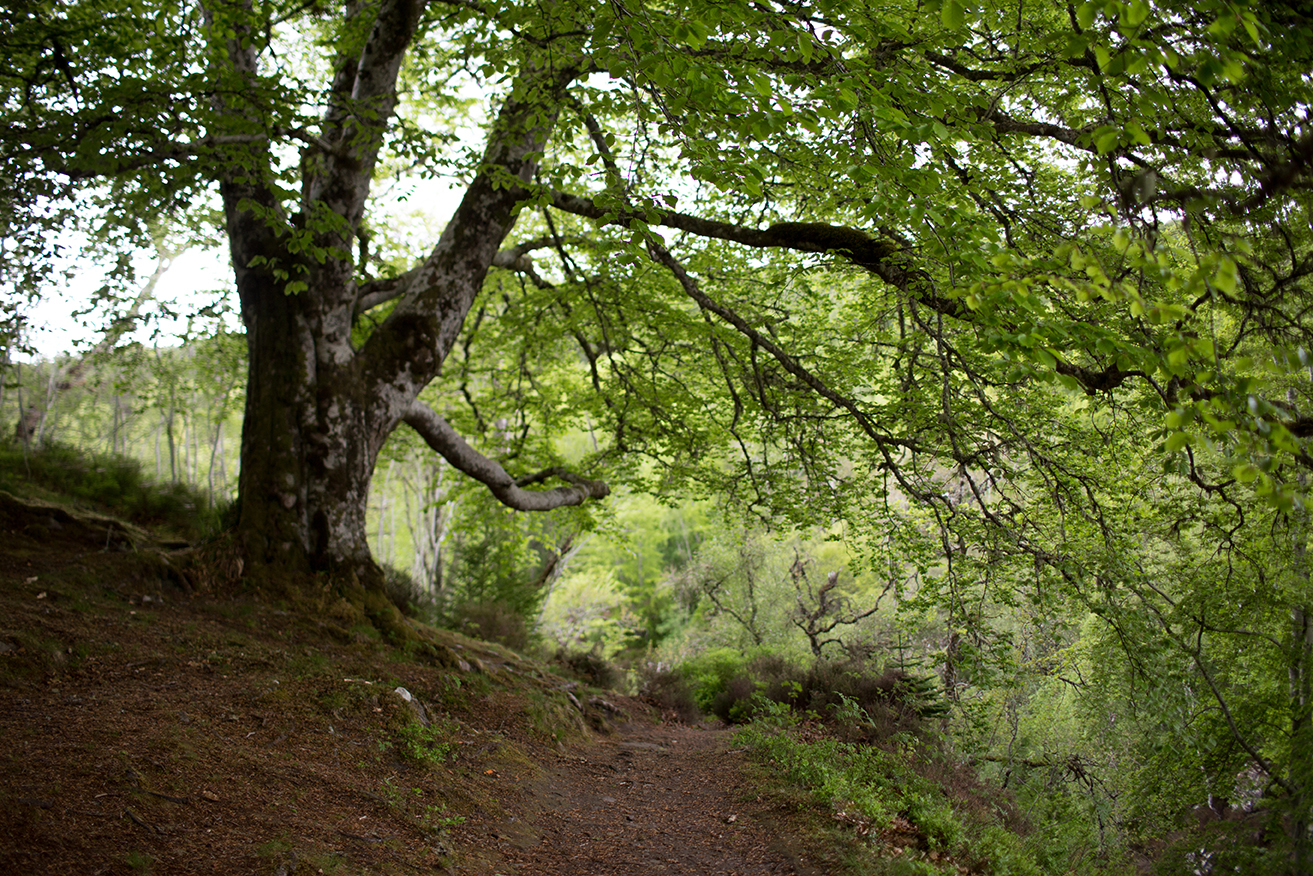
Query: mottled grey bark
x,y
439,435
317,409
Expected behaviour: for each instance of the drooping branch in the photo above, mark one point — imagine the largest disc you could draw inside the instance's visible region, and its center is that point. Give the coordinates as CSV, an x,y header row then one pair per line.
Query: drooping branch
x,y
443,439
782,356
880,256
883,257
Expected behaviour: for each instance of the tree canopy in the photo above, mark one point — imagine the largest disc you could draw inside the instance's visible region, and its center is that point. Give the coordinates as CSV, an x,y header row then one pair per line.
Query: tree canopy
x,y
1021,287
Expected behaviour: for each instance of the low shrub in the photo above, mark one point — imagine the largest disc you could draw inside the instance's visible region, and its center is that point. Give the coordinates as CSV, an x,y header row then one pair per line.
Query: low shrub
x,y
427,745
868,702
407,595
738,701
709,674
761,677
492,621
589,667
669,691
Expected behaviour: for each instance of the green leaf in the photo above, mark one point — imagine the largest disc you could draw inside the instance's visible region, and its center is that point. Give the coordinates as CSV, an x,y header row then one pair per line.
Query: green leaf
x,y
953,15
1251,27
1076,45
1085,14
1227,278
1106,139
1134,12
1223,26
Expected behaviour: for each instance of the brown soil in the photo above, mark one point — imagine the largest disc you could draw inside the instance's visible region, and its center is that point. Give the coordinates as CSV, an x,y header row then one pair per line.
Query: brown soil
x,y
147,731
652,800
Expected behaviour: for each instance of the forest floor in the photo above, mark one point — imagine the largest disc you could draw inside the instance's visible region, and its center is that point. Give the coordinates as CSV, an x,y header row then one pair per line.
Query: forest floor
x,y
144,729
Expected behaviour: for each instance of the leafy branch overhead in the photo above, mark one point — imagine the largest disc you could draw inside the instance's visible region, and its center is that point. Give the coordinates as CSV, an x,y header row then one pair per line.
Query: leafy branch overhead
x,y
992,152
1022,287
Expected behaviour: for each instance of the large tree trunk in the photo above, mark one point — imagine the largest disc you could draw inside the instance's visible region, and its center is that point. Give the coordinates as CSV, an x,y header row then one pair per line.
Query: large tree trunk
x,y
274,520
308,443
317,409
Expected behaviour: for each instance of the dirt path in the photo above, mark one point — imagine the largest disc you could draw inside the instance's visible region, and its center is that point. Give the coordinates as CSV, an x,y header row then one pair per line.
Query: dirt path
x,y
652,800
144,730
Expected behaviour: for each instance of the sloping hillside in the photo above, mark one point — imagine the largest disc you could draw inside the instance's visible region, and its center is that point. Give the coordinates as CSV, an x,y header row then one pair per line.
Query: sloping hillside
x,y
152,729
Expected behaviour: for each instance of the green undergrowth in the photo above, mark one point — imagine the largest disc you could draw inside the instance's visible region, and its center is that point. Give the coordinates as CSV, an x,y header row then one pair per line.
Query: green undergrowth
x,y
109,484
911,810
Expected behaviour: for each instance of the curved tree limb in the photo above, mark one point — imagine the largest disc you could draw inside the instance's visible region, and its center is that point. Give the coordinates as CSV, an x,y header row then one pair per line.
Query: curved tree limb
x,y
442,438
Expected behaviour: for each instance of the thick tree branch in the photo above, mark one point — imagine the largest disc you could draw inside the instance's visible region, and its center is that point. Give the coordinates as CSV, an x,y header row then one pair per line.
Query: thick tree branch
x,y
381,291
443,439
883,257
407,350
354,124
1096,381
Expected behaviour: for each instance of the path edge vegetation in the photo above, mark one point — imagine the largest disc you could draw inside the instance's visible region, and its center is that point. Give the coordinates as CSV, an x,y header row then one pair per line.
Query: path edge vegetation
x,y
886,816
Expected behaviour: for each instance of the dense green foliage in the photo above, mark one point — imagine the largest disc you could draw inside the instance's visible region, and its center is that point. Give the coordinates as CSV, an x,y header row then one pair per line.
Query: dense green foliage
x,y
874,788
1011,300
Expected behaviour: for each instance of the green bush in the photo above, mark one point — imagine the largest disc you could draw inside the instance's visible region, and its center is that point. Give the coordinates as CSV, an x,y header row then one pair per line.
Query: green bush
x,y
589,667
709,674
427,745
498,576
670,692
870,703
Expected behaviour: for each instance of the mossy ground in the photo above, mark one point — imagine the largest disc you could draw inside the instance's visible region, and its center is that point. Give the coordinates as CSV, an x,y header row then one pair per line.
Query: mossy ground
x,y
150,727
